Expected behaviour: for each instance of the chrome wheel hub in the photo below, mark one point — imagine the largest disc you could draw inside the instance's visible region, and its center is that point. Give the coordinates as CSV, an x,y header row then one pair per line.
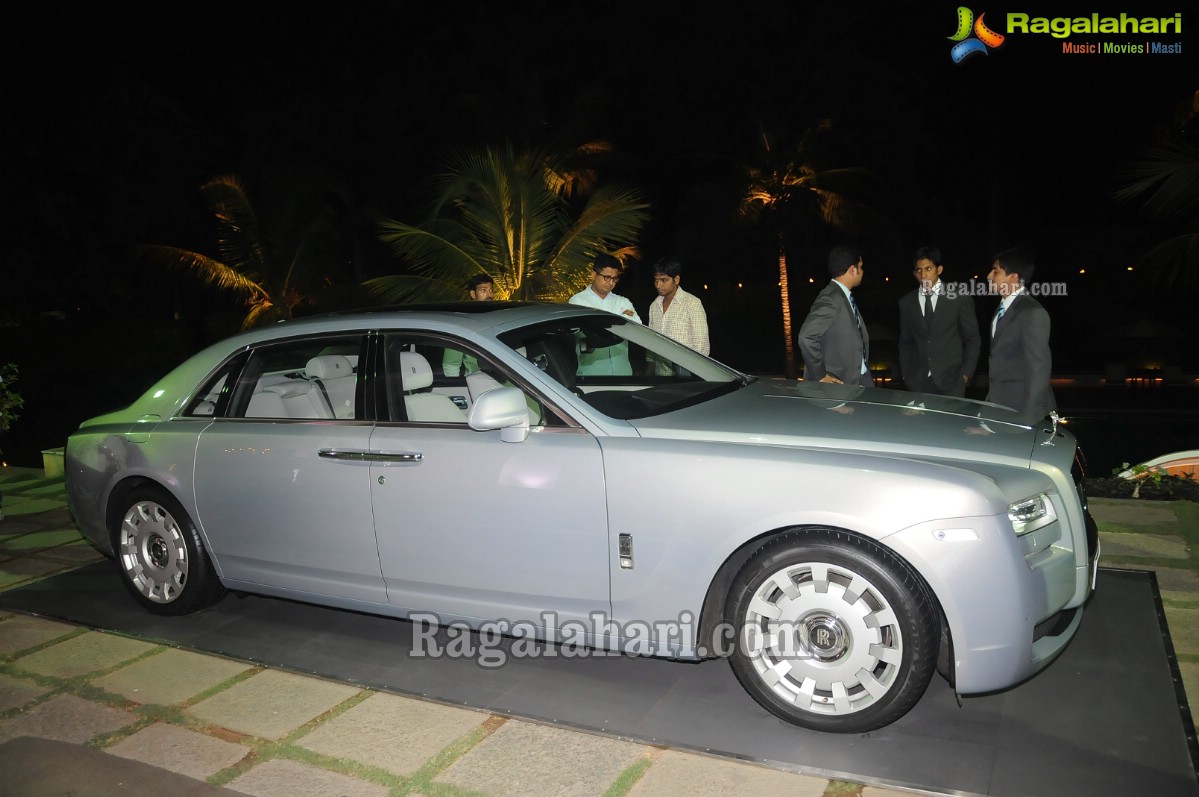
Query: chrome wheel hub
x,y
153,552
822,637
157,552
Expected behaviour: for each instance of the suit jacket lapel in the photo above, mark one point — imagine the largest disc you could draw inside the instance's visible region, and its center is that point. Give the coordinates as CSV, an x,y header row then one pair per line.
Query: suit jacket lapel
x,y
946,313
1014,308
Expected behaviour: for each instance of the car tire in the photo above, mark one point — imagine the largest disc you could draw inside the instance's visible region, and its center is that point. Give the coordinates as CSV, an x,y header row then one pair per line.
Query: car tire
x,y
161,558
834,632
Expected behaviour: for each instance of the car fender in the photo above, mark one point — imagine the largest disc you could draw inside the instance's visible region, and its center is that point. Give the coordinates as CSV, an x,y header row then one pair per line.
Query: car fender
x,y
688,505
103,460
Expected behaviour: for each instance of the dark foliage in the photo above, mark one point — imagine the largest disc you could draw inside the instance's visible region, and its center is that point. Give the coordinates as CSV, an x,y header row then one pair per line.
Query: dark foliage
x,y
1169,488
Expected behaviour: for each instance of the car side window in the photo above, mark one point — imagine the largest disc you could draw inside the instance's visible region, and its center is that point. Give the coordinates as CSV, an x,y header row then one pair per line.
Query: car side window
x,y
435,380
306,379
207,400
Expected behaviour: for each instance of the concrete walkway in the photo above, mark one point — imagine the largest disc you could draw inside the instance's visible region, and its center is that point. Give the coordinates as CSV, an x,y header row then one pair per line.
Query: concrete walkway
x,y
140,717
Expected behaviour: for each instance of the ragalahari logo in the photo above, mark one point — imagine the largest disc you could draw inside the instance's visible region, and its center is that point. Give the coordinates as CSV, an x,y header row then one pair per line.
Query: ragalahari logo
x,y
983,40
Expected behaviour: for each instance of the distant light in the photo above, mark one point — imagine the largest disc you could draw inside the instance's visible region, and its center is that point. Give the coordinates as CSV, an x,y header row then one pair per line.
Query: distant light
x,y
1082,271
705,286
738,284
810,280
1130,268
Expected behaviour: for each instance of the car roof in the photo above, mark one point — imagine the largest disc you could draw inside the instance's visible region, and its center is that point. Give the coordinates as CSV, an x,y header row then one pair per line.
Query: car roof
x,y
467,315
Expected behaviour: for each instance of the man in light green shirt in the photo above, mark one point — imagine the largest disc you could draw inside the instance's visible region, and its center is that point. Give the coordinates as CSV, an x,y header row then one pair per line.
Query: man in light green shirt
x,y
608,360
454,362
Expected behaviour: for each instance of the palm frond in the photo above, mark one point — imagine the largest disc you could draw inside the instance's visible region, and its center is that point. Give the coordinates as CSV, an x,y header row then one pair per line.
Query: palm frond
x,y
510,214
239,238
1172,262
437,249
210,271
613,216
261,313
1165,182
406,289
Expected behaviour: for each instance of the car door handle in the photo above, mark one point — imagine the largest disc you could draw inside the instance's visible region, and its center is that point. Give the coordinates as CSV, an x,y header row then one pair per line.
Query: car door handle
x,y
370,456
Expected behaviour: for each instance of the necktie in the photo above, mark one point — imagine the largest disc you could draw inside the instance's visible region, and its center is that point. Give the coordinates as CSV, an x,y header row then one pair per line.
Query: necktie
x,y
998,317
858,318
928,309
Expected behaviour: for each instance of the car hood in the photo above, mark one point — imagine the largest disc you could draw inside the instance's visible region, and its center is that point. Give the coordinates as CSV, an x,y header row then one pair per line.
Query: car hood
x,y
847,418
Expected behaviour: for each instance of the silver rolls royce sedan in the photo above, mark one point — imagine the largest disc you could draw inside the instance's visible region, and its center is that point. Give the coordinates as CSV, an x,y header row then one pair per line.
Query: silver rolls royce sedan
x,y
561,475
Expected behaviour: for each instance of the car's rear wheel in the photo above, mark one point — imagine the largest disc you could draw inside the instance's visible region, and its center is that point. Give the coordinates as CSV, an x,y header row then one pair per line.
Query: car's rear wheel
x,y
161,557
834,632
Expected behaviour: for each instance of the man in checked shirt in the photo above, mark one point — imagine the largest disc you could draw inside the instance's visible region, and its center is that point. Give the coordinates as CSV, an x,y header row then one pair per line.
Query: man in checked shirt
x,y
677,313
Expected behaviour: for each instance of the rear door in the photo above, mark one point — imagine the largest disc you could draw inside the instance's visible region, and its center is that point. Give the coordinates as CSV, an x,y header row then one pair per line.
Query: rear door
x,y
285,501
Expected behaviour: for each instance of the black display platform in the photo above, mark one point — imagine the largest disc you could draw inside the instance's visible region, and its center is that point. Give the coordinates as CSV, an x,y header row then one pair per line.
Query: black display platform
x,y
1108,717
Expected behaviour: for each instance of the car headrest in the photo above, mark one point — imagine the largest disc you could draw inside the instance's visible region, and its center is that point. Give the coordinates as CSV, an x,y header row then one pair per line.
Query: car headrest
x,y
328,366
415,371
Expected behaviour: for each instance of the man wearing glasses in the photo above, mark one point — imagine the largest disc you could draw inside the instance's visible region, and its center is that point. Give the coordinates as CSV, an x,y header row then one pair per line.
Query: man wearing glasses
x,y
605,273
606,360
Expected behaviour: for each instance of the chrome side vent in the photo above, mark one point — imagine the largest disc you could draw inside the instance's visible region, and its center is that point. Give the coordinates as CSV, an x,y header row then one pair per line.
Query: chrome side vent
x,y
625,546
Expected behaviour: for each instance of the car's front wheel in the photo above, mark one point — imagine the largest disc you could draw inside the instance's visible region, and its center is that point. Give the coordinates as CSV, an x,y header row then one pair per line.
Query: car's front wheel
x,y
834,632
161,557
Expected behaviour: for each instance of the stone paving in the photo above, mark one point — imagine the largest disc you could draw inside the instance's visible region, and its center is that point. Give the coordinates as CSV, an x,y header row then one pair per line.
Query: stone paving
x,y
251,730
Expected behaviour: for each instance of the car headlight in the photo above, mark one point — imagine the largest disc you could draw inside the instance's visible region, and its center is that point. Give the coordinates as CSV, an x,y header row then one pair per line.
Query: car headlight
x,y
1031,514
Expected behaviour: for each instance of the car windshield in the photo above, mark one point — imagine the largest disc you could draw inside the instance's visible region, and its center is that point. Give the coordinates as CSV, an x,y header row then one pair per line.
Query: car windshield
x,y
624,370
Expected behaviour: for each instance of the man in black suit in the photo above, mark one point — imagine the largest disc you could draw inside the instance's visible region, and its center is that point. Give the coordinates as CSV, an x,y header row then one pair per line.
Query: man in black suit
x,y
1021,363
833,338
938,332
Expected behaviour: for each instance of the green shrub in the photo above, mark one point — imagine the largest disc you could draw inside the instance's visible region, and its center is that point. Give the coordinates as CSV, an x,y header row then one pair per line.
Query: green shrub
x,y
10,400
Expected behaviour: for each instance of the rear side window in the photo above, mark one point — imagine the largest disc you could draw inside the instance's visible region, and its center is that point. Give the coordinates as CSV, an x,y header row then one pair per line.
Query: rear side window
x,y
307,379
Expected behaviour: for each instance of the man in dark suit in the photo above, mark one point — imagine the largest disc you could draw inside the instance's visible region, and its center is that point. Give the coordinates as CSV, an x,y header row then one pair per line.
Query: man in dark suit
x,y
1021,363
833,338
938,332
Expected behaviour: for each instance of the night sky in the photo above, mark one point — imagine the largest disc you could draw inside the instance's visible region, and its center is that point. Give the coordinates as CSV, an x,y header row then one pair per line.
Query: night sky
x,y
115,114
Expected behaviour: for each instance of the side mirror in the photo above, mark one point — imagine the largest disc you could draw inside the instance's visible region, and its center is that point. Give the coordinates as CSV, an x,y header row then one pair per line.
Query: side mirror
x,y
503,408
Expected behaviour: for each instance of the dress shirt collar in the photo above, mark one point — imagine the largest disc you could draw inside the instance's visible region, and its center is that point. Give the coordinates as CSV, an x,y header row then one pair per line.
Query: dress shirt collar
x,y
1006,302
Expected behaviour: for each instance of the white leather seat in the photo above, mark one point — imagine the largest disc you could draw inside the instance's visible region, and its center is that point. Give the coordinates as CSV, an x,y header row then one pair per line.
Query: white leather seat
x,y
267,401
479,383
266,404
307,401
335,373
292,398
416,375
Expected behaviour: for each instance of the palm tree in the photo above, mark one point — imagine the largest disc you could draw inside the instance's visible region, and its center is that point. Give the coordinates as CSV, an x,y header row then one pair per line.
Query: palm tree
x,y
1164,183
276,261
790,190
531,220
